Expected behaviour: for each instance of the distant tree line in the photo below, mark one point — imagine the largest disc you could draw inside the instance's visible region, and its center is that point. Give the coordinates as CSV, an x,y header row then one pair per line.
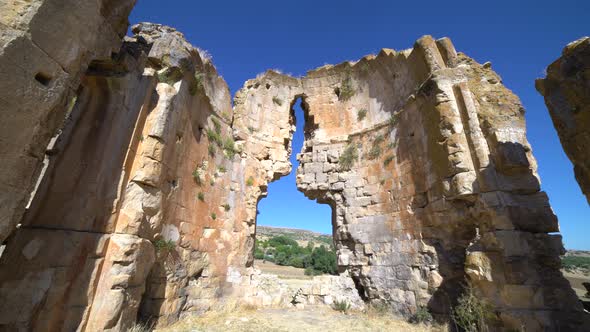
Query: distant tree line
x,y
285,251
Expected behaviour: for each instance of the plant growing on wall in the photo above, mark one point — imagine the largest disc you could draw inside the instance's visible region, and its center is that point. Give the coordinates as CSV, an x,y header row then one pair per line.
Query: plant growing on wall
x,y
162,245
361,114
348,157
346,90
278,101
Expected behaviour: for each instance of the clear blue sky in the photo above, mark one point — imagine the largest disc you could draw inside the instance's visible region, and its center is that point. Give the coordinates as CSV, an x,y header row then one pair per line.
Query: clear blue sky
x,y
520,38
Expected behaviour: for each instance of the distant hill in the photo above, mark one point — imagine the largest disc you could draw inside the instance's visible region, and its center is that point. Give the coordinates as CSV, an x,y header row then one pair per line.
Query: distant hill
x,y
582,253
302,236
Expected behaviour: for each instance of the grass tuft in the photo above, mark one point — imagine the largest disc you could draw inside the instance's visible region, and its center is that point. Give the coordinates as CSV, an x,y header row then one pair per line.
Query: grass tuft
x,y
229,147
341,306
422,316
197,84
250,181
201,196
164,245
348,157
216,125
215,137
346,90
387,160
278,101
361,114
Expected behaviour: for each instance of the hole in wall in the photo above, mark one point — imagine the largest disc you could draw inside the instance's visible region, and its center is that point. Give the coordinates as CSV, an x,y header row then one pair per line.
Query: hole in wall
x,y
294,235
43,78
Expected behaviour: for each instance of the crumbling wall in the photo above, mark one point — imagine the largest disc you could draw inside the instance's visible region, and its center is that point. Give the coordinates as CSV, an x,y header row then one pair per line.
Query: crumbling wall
x,y
147,207
425,162
134,216
567,94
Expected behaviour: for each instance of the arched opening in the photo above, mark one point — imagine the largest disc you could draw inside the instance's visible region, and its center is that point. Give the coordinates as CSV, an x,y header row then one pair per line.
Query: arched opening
x,y
293,232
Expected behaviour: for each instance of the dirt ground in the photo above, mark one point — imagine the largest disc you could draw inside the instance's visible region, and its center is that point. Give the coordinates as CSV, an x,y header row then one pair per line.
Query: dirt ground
x,y
283,272
576,280
310,319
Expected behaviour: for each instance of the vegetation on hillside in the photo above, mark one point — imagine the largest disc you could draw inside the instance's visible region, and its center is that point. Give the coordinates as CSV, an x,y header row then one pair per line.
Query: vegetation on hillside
x,y
576,263
283,250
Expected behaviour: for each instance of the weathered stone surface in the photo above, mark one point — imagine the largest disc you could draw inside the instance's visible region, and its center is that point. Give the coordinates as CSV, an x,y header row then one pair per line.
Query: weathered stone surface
x,y
44,53
567,94
147,207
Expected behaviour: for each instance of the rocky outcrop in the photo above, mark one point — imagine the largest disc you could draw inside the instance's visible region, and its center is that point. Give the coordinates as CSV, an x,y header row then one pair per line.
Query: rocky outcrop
x,y
44,53
147,206
567,94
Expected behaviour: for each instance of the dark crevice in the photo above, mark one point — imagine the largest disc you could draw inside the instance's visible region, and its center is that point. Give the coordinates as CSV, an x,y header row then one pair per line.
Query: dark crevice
x,y
43,78
360,288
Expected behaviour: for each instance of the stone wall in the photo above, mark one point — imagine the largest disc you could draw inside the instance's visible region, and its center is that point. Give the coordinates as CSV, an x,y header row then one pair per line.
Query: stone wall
x,y
44,53
147,206
434,187
567,94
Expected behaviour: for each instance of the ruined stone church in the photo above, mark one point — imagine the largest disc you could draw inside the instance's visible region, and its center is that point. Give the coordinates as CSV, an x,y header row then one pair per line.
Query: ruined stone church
x,y
130,178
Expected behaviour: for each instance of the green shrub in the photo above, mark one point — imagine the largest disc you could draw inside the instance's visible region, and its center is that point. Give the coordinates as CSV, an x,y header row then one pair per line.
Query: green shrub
x,y
472,312
575,262
229,147
348,157
169,75
201,196
251,129
226,207
361,114
422,316
310,271
278,101
141,138
250,181
221,169
378,139
375,152
215,137
216,125
346,90
197,84
341,306
387,160
163,245
213,215
212,150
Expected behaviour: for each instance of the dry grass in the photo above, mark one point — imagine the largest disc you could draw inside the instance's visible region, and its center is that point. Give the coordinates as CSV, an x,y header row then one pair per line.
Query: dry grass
x,y
313,319
283,272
